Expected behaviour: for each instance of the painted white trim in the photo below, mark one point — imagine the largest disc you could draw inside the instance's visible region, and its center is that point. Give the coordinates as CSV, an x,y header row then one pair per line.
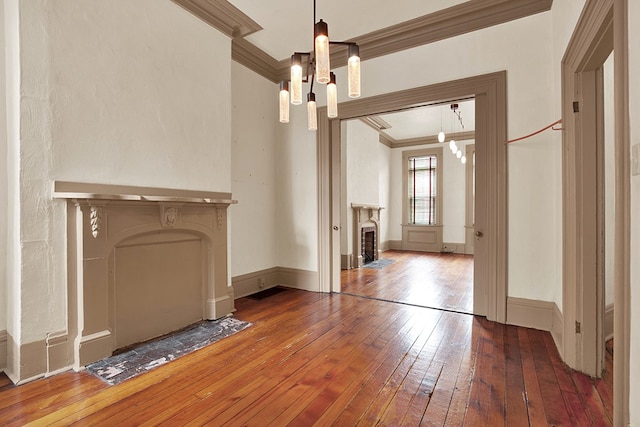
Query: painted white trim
x,y
3,350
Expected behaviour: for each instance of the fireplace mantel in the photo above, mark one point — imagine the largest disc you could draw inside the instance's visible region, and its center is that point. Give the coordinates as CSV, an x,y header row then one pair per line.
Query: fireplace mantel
x,y
365,216
89,191
174,244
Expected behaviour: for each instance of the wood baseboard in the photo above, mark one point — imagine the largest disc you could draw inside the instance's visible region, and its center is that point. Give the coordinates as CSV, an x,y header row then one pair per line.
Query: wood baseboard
x,y
298,279
257,281
3,350
346,261
558,328
247,284
608,322
453,248
531,313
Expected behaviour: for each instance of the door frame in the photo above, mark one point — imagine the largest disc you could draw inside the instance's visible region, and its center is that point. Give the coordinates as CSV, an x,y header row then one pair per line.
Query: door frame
x,y
594,37
490,92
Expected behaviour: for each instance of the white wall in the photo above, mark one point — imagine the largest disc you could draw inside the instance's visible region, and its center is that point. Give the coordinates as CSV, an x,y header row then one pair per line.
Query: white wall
x,y
115,92
384,197
297,200
453,202
360,173
634,117
534,257
253,173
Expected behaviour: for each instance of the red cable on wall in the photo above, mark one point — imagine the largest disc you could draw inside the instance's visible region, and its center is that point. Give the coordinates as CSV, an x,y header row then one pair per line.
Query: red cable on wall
x,y
537,132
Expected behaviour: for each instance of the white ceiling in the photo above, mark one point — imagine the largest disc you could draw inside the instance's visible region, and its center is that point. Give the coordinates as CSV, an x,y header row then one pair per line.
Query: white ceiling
x,y
288,24
288,27
428,121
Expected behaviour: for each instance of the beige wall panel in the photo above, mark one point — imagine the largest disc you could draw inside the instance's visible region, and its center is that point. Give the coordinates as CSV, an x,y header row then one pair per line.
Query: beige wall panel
x,y
158,289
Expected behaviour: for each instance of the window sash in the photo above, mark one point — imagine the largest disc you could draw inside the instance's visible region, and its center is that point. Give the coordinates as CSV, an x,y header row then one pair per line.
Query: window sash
x,y
422,197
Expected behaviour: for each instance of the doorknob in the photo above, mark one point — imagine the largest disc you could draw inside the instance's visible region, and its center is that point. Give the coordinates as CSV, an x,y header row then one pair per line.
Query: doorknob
x,y
479,233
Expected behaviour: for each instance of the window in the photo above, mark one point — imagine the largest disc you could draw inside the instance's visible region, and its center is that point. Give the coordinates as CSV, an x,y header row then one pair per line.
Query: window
x,y
422,187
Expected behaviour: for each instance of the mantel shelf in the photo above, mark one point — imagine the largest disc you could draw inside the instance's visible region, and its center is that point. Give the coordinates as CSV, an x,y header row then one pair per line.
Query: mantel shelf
x,y
362,206
89,191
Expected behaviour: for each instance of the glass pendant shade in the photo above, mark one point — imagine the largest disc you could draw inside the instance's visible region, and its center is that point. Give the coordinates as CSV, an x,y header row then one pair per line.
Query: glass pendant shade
x,y
463,159
296,79
353,70
332,97
441,137
452,146
312,115
284,102
459,154
323,68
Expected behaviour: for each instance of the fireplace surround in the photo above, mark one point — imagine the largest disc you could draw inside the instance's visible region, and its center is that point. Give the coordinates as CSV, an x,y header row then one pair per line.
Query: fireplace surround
x,y
366,220
142,262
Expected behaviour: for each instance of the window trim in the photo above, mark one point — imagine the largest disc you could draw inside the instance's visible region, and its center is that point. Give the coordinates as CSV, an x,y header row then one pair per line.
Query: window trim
x,y
431,151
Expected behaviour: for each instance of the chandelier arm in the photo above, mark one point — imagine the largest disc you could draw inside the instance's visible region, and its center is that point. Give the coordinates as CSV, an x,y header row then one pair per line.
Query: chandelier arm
x,y
343,43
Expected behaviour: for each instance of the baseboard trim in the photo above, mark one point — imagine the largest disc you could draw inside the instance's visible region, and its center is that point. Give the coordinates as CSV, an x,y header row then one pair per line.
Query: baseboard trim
x,y
558,328
346,261
530,313
57,345
453,248
251,283
298,279
394,245
608,322
3,350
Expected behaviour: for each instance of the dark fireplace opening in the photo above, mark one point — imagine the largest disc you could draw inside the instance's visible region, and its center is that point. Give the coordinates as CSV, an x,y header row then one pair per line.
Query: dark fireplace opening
x,y
369,245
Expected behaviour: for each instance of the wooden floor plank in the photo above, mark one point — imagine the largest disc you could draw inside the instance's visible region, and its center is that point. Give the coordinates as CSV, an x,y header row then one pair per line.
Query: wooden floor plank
x,y
331,359
516,406
535,403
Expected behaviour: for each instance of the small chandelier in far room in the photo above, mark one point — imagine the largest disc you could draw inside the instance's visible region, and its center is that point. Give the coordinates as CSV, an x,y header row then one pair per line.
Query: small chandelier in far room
x,y
455,150
317,64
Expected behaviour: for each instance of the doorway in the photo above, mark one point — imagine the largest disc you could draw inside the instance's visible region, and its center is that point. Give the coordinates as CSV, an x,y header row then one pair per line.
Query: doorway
x,y
594,38
490,273
408,192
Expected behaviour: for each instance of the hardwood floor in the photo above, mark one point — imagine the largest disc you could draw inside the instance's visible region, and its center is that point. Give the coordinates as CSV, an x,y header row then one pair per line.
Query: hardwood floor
x,y
331,359
426,279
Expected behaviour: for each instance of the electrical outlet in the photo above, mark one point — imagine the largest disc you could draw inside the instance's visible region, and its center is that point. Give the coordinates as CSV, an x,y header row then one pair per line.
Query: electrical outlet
x,y
261,283
635,160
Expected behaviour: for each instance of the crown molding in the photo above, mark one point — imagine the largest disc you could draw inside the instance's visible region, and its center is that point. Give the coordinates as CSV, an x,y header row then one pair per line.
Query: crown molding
x,y
386,140
375,122
453,21
423,140
255,59
221,15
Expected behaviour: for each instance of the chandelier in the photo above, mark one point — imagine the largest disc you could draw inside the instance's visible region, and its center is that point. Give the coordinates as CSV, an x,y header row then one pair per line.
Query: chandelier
x,y
453,146
316,64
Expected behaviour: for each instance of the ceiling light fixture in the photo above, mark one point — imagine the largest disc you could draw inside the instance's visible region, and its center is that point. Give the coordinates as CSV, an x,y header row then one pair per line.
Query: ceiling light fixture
x,y
317,64
441,136
452,144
